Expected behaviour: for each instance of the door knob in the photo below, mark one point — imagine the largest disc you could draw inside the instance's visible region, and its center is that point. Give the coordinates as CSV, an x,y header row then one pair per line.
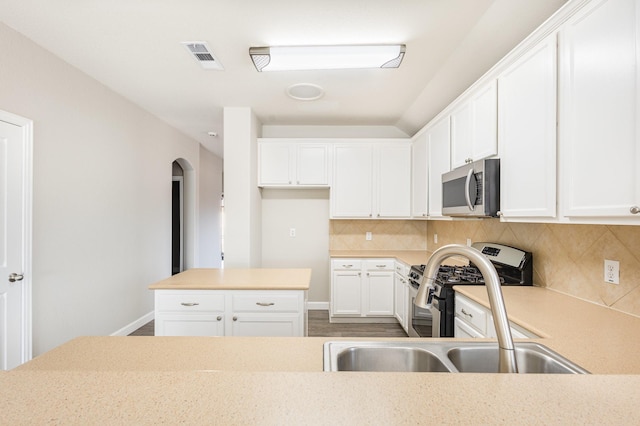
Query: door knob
x,y
15,277
634,210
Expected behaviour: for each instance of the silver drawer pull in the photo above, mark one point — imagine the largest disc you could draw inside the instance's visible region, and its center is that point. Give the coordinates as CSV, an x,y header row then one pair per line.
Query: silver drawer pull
x,y
347,266
219,318
634,210
189,304
467,314
380,266
265,303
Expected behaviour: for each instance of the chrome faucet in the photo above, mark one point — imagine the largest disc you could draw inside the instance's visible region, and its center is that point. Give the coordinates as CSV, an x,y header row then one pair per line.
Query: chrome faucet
x,y
506,349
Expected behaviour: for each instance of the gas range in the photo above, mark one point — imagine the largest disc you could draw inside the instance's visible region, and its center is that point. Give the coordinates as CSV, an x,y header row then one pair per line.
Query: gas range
x,y
514,267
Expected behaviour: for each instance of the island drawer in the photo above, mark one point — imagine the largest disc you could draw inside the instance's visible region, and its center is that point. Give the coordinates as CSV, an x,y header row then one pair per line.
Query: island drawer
x,y
267,301
189,301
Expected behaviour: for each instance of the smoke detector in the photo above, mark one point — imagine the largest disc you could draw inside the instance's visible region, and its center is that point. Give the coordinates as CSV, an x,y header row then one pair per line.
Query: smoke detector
x,y
202,53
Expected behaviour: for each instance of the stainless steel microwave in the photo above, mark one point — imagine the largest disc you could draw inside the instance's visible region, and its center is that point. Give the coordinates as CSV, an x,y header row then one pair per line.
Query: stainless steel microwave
x,y
472,190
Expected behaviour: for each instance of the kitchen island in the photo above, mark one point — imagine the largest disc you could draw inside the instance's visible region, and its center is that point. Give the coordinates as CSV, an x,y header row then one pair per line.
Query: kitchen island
x,y
232,302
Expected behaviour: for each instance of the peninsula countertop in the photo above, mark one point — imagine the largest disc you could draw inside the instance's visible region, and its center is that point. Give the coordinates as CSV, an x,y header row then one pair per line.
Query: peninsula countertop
x,y
237,279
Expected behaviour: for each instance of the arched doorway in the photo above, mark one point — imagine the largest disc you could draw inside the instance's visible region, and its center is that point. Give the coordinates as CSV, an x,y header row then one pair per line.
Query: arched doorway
x,y
182,216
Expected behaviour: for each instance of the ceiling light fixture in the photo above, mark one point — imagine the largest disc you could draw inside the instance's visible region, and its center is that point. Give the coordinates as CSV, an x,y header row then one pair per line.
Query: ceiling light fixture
x,y
288,58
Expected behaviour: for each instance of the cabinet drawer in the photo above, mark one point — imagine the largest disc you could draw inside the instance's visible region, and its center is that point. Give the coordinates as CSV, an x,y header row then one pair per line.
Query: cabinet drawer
x,y
266,302
380,264
472,314
346,264
189,301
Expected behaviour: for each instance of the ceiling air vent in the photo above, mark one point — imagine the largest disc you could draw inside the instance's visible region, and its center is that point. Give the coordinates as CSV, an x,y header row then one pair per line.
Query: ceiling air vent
x,y
201,52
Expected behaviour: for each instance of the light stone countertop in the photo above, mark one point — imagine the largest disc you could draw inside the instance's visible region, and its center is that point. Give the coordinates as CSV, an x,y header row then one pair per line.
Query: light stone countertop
x,y
410,257
254,398
237,279
600,339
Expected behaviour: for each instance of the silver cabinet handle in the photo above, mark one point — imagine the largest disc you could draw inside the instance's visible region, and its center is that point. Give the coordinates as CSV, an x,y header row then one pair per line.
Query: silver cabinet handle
x,y
15,277
189,304
380,266
219,318
347,266
265,303
634,210
467,314
235,318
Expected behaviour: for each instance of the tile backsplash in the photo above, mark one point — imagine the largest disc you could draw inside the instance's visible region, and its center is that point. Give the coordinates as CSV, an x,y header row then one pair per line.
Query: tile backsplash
x,y
566,258
385,235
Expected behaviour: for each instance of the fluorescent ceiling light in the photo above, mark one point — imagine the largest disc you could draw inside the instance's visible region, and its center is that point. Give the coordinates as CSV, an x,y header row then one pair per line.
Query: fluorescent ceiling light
x,y
286,58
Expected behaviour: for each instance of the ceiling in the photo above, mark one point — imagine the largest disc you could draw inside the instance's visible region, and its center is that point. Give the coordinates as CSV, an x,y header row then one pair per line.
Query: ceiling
x,y
134,48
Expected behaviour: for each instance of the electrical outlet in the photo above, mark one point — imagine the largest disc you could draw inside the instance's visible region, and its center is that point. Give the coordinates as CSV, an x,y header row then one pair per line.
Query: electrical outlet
x,y
435,238
368,236
469,242
292,232
612,271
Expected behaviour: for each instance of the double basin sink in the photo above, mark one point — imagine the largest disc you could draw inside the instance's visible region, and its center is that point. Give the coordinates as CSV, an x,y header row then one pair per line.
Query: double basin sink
x,y
441,357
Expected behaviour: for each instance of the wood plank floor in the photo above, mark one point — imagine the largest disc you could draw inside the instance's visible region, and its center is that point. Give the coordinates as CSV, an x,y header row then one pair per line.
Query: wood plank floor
x,y
319,326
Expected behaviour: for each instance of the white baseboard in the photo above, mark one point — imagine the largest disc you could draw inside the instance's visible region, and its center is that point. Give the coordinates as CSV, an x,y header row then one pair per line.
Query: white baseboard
x,y
318,306
130,328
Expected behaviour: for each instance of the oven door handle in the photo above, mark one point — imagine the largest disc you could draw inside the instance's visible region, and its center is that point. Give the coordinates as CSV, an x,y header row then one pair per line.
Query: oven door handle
x,y
467,193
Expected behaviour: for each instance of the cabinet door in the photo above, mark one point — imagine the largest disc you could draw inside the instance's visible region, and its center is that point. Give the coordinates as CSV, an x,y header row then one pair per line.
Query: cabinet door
x,y
474,132
175,324
351,192
275,160
419,176
599,148
393,181
463,331
312,164
399,300
266,325
527,120
439,157
346,293
485,122
461,134
378,290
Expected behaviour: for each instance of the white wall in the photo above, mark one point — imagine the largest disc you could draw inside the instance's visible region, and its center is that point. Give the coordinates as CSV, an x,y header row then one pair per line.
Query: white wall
x,y
307,211
102,195
210,189
242,203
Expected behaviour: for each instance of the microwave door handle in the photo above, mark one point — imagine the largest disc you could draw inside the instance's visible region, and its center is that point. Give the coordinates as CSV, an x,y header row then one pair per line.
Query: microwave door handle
x,y
467,195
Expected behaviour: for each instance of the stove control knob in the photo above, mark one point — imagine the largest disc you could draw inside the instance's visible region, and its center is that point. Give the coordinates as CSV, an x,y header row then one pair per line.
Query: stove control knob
x,y
634,210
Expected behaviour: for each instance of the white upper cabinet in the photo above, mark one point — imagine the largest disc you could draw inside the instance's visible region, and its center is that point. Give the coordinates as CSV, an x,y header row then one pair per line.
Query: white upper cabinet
x,y
393,180
474,126
293,163
599,115
439,158
371,180
352,186
420,177
527,133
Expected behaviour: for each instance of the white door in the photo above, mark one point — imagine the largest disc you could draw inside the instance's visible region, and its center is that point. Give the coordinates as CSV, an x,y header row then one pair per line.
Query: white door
x,y
15,323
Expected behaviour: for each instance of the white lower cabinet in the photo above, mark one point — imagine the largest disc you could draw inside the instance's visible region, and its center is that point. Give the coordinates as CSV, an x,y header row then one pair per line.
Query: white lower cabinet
x,y
474,320
401,295
362,288
230,313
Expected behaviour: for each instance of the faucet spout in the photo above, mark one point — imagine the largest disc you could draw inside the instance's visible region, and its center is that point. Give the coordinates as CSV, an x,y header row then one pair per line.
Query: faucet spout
x,y
507,358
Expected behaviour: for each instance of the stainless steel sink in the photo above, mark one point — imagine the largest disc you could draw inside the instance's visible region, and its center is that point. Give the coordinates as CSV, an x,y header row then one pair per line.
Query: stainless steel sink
x,y
530,358
388,358
439,356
